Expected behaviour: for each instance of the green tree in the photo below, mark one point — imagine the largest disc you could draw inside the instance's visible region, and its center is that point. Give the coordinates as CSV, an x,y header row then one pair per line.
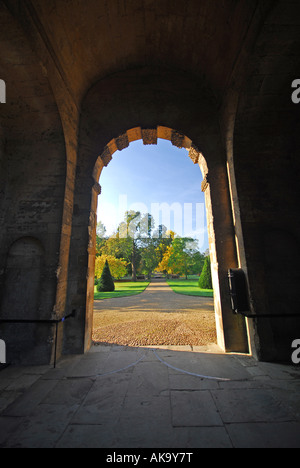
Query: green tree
x,y
197,263
149,259
101,238
152,246
135,228
101,230
106,282
178,258
162,239
205,281
117,266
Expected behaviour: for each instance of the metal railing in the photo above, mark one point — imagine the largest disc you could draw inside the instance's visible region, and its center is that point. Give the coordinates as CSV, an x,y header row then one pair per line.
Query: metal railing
x,y
55,322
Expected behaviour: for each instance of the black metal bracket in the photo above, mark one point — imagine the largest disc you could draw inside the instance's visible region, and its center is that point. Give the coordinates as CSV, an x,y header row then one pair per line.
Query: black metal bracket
x,y
49,321
258,316
238,292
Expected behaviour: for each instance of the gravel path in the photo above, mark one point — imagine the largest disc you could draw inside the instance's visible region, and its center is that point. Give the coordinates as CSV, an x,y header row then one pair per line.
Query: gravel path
x,y
156,317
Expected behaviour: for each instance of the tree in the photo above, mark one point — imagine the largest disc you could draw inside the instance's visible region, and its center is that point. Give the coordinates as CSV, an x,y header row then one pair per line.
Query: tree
x,y
197,263
118,266
149,259
101,239
164,265
143,249
205,281
100,230
162,238
152,246
106,283
179,257
134,229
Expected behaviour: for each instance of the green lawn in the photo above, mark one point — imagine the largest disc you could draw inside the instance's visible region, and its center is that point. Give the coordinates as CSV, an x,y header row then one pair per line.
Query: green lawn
x,y
189,288
123,290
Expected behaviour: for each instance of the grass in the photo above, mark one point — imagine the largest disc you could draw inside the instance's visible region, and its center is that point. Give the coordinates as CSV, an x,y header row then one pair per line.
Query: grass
x,y
189,287
122,290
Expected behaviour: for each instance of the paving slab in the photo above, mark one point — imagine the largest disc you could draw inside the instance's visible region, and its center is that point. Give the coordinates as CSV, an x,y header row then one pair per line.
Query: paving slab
x,y
150,398
28,401
104,401
194,409
149,379
180,381
202,437
68,392
250,405
206,364
145,422
265,435
8,426
43,428
87,436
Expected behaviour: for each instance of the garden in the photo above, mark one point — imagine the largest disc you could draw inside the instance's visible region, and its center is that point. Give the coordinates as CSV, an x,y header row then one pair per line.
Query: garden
x,y
127,261
159,318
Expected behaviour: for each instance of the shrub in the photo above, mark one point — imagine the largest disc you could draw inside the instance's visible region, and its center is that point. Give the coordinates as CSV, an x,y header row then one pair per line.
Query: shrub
x,y
106,282
205,281
117,266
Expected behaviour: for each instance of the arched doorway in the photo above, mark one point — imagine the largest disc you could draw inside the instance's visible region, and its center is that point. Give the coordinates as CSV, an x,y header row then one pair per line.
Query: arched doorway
x,y
109,112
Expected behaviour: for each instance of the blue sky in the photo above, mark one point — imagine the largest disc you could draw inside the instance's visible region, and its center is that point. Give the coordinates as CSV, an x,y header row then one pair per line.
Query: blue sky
x,y
145,177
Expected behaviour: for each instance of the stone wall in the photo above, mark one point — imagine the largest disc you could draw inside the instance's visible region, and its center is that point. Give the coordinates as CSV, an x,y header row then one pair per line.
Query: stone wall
x,y
83,83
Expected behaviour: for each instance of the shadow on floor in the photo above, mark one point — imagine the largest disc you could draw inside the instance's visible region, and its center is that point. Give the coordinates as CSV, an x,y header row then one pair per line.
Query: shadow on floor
x,y
119,397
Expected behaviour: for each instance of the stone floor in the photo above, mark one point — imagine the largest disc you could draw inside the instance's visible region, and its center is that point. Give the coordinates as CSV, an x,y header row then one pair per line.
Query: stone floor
x,y
118,397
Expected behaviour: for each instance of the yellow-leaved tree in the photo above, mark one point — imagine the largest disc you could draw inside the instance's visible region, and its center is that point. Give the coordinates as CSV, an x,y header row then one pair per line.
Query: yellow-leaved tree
x,y
179,257
164,264
117,266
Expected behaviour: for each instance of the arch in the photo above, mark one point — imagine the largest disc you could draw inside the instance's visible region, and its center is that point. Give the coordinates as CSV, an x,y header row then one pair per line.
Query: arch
x,y
110,112
149,136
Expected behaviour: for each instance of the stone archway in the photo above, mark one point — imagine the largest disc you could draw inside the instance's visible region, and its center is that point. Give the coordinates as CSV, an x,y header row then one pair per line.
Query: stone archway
x,y
115,112
192,69
150,137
